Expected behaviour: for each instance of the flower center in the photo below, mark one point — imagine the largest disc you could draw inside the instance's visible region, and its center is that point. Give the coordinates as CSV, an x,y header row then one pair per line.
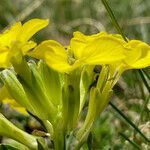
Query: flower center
x,y
71,59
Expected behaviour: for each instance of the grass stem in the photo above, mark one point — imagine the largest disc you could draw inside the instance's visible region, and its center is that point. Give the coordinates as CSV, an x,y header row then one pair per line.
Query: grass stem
x,y
128,121
131,142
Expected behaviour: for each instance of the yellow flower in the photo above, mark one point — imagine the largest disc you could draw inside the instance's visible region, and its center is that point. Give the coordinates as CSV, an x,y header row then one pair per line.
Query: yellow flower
x,y
14,105
138,55
101,48
19,34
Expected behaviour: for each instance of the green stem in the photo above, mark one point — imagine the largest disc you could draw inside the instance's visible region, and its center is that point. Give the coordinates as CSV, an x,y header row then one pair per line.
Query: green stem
x,y
71,99
129,121
131,142
144,108
59,135
21,67
147,75
113,19
9,130
59,140
144,80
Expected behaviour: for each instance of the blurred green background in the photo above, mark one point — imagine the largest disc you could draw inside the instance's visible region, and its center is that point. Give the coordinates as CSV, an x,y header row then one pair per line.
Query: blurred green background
x,y
89,16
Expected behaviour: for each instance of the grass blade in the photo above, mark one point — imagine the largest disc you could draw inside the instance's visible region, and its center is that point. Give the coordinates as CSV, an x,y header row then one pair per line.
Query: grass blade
x,y
144,108
146,74
131,142
114,20
128,121
144,80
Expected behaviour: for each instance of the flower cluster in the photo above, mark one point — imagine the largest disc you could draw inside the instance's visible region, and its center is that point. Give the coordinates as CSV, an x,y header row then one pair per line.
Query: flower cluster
x,y
55,88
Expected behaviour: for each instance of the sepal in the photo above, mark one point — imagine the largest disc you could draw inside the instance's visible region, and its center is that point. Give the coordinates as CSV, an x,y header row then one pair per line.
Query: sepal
x,y
9,130
15,89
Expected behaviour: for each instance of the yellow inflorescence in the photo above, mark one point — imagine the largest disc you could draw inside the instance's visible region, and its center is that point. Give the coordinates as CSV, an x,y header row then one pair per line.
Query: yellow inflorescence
x,y
19,35
97,49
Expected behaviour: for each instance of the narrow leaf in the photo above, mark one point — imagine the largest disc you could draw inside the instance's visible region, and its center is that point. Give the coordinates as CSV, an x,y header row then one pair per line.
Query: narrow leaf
x,y
128,121
144,80
131,142
114,20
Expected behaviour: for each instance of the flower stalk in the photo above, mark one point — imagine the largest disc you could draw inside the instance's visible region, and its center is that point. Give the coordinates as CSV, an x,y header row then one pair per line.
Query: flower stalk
x,y
71,99
11,131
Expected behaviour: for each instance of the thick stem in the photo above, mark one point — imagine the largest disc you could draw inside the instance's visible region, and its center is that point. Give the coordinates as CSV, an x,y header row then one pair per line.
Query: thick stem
x,y
9,130
59,136
71,100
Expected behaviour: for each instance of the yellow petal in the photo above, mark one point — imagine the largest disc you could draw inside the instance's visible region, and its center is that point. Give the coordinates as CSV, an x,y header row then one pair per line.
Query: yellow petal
x,y
104,50
80,36
57,63
137,56
140,56
133,52
4,94
31,27
10,35
4,59
55,56
142,63
14,105
28,46
53,53
79,41
60,64
48,46
16,39
21,110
